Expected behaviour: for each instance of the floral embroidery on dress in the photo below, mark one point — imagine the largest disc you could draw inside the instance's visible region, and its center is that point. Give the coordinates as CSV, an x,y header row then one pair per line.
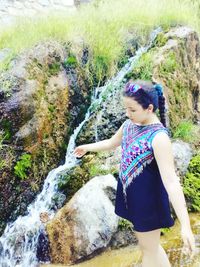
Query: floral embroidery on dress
x,y
137,150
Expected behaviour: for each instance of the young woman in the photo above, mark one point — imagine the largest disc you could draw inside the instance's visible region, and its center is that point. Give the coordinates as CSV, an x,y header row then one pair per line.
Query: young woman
x,y
147,177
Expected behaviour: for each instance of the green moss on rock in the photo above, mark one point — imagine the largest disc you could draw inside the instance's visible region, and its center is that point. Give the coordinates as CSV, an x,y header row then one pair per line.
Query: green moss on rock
x,y
170,64
191,184
90,166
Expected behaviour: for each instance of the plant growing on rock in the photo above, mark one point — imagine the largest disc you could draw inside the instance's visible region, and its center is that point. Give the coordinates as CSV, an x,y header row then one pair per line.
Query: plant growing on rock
x,y
125,224
191,184
22,165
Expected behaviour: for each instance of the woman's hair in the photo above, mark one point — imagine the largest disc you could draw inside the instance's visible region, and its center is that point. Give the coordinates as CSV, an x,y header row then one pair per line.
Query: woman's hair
x,y
146,93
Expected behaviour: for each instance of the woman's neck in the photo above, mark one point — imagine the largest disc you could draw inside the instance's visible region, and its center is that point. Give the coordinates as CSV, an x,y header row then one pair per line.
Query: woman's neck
x,y
151,120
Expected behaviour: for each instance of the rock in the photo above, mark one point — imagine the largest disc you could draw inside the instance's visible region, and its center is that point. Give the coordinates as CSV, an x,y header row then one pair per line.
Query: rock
x,y
182,153
43,252
122,238
85,224
176,66
104,121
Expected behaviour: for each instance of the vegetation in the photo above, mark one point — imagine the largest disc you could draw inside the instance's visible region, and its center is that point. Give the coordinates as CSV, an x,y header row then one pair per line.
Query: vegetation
x,y
103,26
191,184
22,165
186,131
143,69
125,224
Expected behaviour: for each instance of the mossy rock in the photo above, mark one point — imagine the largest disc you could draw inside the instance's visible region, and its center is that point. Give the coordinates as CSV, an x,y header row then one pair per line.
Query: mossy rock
x,y
191,184
91,165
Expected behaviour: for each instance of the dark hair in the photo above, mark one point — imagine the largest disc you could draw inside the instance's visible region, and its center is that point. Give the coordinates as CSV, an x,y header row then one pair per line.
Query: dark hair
x,y
148,93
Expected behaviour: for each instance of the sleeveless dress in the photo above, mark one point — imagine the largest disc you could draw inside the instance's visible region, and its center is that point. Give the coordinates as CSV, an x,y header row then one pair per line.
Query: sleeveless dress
x,y
141,196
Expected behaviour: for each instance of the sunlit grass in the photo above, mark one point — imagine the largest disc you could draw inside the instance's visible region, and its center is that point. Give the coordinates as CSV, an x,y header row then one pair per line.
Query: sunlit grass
x,y
187,131
103,26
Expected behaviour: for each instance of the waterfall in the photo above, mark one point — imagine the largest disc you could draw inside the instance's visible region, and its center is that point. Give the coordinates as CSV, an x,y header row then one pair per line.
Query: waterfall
x,y
18,244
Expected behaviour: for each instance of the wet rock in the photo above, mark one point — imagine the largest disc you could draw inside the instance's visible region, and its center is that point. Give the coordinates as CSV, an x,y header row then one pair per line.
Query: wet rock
x,y
43,249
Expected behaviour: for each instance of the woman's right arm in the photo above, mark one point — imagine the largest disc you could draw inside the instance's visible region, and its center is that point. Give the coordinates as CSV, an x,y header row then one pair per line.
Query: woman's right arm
x,y
107,144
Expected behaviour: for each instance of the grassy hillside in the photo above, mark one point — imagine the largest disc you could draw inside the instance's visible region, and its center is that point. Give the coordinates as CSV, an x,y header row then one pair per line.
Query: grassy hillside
x,y
103,25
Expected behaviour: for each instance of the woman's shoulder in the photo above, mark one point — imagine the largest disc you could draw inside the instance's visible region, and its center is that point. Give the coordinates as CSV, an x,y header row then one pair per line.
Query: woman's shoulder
x,y
158,131
161,139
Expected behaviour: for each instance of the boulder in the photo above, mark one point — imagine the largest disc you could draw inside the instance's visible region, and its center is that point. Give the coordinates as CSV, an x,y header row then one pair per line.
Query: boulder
x,y
85,225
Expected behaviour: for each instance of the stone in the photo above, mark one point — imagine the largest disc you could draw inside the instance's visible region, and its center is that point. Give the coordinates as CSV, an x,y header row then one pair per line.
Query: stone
x,y
182,153
86,223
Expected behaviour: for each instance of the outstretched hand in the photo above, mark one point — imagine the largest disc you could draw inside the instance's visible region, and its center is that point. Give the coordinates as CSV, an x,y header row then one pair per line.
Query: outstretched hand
x,y
189,242
79,151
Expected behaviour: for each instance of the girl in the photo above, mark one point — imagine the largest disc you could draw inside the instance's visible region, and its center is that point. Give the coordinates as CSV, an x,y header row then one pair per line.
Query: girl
x,y
147,178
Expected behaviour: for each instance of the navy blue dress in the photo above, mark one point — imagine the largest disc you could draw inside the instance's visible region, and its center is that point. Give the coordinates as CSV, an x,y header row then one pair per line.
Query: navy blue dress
x,y
141,196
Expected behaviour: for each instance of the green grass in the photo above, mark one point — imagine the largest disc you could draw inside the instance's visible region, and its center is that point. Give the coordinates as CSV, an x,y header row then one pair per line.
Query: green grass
x,y
187,131
104,26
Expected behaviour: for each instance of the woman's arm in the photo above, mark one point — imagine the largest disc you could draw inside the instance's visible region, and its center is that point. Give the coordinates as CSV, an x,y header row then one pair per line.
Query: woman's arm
x,y
162,148
107,144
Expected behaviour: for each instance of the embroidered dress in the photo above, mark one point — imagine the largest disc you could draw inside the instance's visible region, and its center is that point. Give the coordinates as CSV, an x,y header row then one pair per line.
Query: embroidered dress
x,y
141,196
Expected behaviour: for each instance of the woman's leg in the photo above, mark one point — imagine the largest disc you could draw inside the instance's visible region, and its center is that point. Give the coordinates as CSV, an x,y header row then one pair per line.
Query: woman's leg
x,y
163,259
149,245
153,255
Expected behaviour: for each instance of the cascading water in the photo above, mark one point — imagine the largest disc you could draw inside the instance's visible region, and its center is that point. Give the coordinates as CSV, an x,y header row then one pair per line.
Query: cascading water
x,y
18,244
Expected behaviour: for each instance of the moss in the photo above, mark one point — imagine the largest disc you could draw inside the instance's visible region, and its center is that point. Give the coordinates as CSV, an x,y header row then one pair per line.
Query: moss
x,y
178,100
191,184
169,65
7,153
72,181
54,68
90,166
7,128
71,62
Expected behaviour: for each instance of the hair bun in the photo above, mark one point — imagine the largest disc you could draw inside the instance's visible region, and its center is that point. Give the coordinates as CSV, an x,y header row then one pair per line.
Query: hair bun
x,y
159,89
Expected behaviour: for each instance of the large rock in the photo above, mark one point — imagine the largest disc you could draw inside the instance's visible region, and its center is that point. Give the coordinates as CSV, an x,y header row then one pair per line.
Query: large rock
x,y
86,223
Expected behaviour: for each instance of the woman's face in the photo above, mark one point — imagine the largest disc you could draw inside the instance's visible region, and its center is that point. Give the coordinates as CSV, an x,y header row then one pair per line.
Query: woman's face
x,y
135,112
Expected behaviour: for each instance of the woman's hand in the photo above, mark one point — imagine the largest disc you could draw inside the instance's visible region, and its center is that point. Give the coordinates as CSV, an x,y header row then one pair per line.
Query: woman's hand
x,y
189,241
79,151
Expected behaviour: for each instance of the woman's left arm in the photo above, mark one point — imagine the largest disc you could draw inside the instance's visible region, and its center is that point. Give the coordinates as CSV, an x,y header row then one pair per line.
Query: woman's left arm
x,y
162,148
